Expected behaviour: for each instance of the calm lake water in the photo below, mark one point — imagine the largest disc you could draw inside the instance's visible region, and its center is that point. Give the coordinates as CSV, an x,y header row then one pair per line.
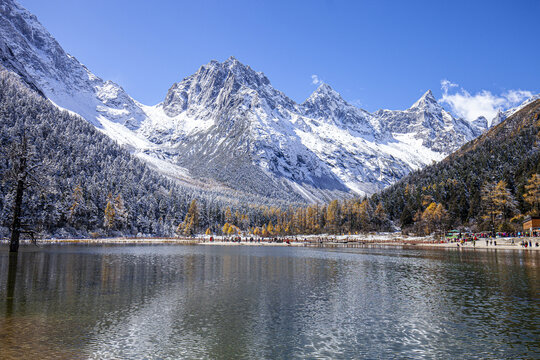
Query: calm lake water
x,y
239,302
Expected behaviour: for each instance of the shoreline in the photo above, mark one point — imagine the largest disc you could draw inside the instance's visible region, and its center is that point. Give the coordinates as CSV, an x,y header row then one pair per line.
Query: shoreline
x,y
356,241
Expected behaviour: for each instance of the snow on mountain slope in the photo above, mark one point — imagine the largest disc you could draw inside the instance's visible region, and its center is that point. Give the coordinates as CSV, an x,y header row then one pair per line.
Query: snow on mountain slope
x,y
28,49
226,126
503,115
428,121
327,105
226,122
229,117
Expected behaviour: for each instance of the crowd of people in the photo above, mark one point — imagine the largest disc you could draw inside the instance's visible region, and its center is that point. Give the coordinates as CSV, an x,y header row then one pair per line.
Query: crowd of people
x,y
491,239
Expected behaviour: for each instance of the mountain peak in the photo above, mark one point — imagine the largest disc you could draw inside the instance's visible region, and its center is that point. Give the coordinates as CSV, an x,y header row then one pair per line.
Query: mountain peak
x,y
233,62
231,59
481,122
426,100
243,73
324,87
325,91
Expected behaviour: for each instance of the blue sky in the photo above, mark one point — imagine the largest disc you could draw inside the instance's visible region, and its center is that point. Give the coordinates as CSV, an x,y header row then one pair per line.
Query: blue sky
x,y
377,54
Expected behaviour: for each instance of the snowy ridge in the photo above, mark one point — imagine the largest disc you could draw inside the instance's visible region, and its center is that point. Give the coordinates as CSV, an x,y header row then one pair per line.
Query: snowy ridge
x,y
503,115
28,49
226,127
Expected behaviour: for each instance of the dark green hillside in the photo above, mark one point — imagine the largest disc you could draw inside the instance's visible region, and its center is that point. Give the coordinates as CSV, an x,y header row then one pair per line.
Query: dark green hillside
x,y
507,152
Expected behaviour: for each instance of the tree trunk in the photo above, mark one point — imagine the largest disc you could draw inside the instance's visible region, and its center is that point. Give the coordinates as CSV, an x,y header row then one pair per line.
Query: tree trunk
x,y
17,209
16,224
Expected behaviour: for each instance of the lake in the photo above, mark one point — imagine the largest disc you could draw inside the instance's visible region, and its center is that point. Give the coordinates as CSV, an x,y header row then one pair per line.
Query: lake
x,y
249,302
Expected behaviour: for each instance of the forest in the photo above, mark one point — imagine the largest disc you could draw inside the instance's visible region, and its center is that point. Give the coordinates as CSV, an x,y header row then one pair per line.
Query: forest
x,y
490,184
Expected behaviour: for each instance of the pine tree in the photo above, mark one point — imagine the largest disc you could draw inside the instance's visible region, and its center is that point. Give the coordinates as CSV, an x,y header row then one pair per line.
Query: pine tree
x,y
311,220
365,215
489,209
193,214
228,215
225,229
504,201
120,213
406,217
109,217
77,204
332,217
380,218
270,229
532,194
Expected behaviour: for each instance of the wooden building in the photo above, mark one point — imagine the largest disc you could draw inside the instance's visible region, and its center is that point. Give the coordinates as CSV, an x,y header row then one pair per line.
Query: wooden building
x,y
531,224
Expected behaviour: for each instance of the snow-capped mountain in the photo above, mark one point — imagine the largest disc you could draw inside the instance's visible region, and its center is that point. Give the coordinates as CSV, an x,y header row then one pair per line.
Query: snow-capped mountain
x,y
426,120
227,126
226,122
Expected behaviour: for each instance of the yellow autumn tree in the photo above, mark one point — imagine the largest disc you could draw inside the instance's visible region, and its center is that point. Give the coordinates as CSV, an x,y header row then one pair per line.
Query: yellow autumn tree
x,y
532,194
332,217
225,229
191,221
193,213
109,217
504,201
270,229
433,218
312,221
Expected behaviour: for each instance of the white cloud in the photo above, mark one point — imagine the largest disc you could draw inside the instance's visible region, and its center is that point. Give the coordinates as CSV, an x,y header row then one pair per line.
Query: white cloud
x,y
315,80
447,85
518,96
483,103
